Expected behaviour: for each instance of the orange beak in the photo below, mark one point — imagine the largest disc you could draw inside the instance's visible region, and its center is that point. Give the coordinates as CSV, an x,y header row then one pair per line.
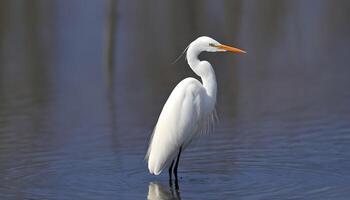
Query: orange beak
x,y
228,48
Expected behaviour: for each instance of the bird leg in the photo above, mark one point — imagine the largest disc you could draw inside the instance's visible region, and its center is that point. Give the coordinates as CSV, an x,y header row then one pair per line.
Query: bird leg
x,y
177,164
170,171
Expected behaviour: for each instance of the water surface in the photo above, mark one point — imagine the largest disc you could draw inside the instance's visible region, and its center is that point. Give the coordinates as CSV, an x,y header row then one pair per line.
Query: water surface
x,y
82,84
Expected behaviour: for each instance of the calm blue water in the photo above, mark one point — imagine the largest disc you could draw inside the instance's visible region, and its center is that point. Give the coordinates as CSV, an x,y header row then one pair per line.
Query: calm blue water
x,y
83,82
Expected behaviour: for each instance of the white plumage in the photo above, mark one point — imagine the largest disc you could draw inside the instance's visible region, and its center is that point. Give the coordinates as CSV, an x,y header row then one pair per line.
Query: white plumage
x,y
188,110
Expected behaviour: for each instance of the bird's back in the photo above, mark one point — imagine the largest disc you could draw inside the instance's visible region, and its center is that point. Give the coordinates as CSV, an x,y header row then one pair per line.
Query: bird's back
x,y
177,124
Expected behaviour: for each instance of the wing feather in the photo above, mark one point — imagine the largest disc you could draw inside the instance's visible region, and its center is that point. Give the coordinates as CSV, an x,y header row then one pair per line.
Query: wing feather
x,y
177,124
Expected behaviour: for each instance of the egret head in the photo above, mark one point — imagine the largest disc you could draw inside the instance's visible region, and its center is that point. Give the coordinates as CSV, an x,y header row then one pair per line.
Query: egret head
x,y
205,43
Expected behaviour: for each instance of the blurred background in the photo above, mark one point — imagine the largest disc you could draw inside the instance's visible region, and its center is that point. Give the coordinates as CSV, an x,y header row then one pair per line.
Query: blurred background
x,y
82,83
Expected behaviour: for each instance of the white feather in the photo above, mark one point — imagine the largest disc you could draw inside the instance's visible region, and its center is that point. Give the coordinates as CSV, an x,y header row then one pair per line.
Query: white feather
x,y
188,111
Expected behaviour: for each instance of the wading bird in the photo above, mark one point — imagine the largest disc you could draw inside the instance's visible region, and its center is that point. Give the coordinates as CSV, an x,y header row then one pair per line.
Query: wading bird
x,y
188,110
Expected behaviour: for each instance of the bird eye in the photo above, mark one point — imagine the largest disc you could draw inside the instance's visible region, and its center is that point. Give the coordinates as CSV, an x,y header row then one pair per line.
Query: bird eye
x,y
212,44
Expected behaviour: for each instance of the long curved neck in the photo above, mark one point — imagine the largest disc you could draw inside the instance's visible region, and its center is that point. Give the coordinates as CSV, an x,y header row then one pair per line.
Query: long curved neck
x,y
202,69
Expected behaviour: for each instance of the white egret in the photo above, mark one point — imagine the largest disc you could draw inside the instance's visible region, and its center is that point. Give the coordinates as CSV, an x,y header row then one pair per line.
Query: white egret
x,y
188,110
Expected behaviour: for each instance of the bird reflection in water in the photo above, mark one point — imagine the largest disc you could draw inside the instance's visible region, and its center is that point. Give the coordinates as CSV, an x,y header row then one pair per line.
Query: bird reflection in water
x,y
157,192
